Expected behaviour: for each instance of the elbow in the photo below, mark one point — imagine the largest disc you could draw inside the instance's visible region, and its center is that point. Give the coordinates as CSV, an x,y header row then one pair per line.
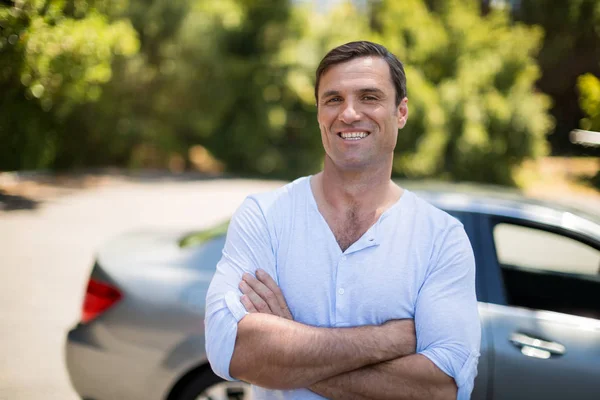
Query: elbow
x,y
251,362
242,371
445,391
262,377
247,366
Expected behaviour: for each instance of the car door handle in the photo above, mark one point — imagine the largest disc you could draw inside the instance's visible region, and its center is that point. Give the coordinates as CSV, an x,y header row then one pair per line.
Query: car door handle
x,y
534,347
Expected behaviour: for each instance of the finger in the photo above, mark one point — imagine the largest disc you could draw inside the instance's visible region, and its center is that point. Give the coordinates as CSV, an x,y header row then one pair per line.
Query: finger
x,y
248,304
264,292
266,279
260,305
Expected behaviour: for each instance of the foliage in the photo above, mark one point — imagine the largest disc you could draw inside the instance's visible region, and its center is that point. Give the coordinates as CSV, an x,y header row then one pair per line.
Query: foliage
x,y
160,84
589,101
209,77
197,238
588,86
54,55
473,112
239,105
571,48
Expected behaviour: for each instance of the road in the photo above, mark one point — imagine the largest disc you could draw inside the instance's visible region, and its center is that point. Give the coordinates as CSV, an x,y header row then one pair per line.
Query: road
x,y
46,254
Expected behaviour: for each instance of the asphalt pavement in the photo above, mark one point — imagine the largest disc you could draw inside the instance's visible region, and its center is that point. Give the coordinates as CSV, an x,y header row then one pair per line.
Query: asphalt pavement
x,y
46,252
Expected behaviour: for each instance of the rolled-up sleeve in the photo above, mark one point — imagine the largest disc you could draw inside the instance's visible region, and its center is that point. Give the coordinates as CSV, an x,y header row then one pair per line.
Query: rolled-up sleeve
x,y
446,317
247,248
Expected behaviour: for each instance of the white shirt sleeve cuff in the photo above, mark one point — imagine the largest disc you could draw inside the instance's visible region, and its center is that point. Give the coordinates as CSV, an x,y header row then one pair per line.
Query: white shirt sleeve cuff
x,y
232,299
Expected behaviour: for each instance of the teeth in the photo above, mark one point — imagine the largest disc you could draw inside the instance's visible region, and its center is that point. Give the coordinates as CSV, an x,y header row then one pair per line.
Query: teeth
x,y
353,135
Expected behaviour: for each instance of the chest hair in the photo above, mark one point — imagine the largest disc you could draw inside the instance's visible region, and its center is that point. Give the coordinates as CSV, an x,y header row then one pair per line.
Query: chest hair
x,y
349,226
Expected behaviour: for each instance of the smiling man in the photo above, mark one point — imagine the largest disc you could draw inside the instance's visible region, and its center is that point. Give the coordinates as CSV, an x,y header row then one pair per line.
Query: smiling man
x,y
344,285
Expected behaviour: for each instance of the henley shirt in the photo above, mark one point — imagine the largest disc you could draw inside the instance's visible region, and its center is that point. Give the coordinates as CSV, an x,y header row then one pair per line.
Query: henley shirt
x,y
415,262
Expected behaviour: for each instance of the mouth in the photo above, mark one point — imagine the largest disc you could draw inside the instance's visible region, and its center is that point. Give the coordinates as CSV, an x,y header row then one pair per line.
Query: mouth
x,y
353,136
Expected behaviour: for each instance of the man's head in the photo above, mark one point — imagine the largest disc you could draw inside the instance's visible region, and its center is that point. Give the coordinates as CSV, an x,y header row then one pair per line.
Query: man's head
x,y
352,50
361,105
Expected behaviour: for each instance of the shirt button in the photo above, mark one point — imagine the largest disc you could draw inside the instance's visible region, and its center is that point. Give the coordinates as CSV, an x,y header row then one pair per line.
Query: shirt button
x,y
344,258
341,291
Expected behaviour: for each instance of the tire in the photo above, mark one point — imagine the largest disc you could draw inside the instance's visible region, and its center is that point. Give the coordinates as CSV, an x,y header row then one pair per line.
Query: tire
x,y
208,386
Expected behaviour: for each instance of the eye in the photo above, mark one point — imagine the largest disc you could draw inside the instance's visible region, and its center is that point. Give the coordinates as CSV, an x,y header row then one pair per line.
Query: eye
x,y
370,98
333,100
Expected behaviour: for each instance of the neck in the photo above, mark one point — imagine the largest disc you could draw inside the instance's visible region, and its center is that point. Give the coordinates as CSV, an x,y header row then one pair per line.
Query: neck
x,y
367,190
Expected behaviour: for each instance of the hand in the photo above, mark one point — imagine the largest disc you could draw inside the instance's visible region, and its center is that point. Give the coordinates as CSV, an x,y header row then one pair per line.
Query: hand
x,y
262,295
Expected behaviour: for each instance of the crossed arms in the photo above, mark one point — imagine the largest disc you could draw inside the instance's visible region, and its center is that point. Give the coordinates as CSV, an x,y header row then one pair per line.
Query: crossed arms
x,y
430,357
365,362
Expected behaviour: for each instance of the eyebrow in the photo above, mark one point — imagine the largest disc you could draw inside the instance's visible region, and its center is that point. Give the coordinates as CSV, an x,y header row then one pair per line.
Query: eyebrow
x,y
371,90
330,93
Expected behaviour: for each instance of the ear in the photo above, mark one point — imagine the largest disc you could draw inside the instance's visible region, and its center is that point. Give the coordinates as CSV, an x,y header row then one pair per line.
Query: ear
x,y
402,113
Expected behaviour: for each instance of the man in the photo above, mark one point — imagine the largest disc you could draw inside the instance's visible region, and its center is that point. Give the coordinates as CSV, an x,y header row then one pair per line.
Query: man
x,y
343,285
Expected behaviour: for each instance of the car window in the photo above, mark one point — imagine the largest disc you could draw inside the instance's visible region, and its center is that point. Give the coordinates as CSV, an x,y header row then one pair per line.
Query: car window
x,y
535,248
547,270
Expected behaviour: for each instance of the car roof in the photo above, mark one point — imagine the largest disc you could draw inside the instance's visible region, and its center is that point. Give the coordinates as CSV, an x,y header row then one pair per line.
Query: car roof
x,y
505,202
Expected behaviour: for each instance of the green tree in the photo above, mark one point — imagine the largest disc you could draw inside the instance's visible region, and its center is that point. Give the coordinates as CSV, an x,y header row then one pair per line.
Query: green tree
x,y
571,48
588,86
128,125
474,112
235,104
589,101
237,78
208,74
54,55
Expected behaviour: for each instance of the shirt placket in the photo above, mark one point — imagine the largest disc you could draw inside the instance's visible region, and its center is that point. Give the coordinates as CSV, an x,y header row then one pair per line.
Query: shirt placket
x,y
342,305
344,283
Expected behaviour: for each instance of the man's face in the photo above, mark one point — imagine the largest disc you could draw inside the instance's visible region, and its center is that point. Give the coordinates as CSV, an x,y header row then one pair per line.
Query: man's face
x,y
357,113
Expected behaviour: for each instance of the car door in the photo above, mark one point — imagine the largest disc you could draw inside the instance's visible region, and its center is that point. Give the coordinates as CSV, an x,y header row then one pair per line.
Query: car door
x,y
480,391
544,310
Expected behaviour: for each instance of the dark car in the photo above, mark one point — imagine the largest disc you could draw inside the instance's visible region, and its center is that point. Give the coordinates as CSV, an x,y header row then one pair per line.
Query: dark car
x,y
538,284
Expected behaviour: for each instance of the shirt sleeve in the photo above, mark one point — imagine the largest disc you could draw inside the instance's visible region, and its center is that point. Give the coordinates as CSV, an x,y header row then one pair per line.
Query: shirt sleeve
x,y
446,317
247,247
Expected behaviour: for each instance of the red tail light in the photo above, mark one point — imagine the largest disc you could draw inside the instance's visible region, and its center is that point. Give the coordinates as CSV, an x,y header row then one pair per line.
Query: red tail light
x,y
99,297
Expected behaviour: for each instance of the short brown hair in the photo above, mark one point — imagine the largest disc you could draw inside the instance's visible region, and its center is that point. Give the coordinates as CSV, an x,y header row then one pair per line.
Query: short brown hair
x,y
352,50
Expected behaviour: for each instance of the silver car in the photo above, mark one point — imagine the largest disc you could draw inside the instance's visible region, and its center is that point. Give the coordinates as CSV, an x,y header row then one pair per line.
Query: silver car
x,y
141,334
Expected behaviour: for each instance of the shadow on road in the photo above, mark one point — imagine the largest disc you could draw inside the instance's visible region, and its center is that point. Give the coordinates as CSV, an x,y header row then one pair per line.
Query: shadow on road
x,y
10,202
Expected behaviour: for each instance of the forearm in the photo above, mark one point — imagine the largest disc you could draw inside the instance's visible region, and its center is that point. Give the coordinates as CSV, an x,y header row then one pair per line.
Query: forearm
x,y
277,353
410,377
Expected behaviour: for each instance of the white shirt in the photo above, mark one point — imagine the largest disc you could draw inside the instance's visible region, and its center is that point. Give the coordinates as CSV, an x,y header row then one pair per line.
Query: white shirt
x,y
414,262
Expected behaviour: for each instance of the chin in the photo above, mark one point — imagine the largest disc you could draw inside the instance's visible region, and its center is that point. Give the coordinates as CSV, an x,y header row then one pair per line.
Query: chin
x,y
355,165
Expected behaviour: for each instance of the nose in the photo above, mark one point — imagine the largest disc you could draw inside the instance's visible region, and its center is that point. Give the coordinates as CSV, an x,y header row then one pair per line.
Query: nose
x,y
349,113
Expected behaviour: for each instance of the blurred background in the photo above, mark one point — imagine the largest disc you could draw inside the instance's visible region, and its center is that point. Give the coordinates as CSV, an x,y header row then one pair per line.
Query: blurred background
x,y
109,109
227,86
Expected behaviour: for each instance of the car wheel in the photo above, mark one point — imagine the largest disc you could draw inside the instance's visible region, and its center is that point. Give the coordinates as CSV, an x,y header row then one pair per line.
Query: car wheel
x,y
208,386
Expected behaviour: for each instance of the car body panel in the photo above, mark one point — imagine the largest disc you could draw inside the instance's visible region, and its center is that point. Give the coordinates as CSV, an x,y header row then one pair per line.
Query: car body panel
x,y
559,376
486,358
155,334
577,372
